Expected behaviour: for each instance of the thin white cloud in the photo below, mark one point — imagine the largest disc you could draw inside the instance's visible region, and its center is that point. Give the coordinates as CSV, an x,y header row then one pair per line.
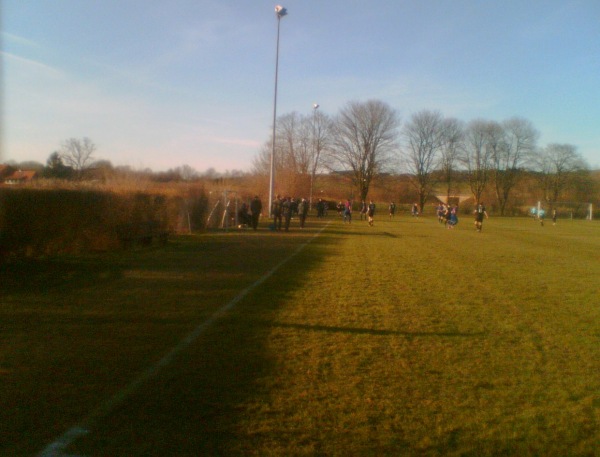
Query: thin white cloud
x,y
33,64
19,40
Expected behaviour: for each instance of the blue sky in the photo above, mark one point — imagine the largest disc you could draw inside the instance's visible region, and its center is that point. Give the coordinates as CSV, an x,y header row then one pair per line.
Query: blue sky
x,y
161,84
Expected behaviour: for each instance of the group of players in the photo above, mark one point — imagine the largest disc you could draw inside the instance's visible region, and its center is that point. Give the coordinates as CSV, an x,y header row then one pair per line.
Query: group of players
x,y
284,208
447,215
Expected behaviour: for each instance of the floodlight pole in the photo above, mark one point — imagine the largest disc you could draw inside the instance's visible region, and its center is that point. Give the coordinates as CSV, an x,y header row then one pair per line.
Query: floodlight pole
x,y
280,11
314,165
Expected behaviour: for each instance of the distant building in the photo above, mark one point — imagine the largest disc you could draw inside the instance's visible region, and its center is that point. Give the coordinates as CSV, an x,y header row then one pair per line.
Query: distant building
x,y
457,199
18,176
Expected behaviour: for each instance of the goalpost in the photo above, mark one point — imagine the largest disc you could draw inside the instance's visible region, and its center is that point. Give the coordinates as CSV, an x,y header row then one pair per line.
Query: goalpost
x,y
230,210
227,215
572,210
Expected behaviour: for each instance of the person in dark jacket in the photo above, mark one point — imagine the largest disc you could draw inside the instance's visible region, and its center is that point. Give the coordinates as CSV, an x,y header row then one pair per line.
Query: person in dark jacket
x,y
244,218
288,209
276,210
302,211
255,210
320,208
480,213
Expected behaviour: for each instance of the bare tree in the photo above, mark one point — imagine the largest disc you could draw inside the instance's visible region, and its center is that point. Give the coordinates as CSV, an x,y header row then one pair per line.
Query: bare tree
x,y
321,134
187,172
300,141
291,148
364,137
476,156
78,154
559,166
288,153
513,143
261,162
424,136
451,147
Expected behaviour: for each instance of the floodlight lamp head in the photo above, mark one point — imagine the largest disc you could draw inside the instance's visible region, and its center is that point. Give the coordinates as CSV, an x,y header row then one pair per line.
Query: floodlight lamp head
x,y
315,105
280,11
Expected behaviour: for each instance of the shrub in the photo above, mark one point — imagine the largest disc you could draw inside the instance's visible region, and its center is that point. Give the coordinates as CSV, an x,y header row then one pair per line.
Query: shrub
x,y
35,222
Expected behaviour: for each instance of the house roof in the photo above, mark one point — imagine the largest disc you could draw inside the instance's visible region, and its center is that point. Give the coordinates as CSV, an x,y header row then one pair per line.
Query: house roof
x,y
461,197
20,175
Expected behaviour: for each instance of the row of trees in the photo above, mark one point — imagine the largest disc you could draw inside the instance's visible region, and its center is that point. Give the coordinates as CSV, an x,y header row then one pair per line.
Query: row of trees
x,y
366,139
76,160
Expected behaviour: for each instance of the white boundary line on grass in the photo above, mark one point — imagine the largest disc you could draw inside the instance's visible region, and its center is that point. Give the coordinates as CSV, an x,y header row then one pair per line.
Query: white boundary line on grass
x,y
56,448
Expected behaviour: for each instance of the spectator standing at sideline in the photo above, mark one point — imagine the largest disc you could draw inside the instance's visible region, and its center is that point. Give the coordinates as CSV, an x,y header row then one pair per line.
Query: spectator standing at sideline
x,y
320,208
294,205
255,210
288,208
302,211
244,219
276,211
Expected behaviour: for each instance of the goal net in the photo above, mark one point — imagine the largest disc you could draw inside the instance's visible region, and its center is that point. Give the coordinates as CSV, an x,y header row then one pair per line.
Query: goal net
x,y
566,210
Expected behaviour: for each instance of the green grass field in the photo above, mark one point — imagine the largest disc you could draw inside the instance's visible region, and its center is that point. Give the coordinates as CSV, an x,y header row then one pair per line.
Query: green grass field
x,y
400,339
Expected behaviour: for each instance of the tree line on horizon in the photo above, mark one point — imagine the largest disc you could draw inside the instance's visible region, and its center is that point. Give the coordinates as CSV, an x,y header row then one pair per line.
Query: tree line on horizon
x,y
366,140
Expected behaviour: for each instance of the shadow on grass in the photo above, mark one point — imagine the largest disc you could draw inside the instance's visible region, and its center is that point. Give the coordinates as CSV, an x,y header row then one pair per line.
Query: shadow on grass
x,y
371,231
26,276
192,405
41,275
370,331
